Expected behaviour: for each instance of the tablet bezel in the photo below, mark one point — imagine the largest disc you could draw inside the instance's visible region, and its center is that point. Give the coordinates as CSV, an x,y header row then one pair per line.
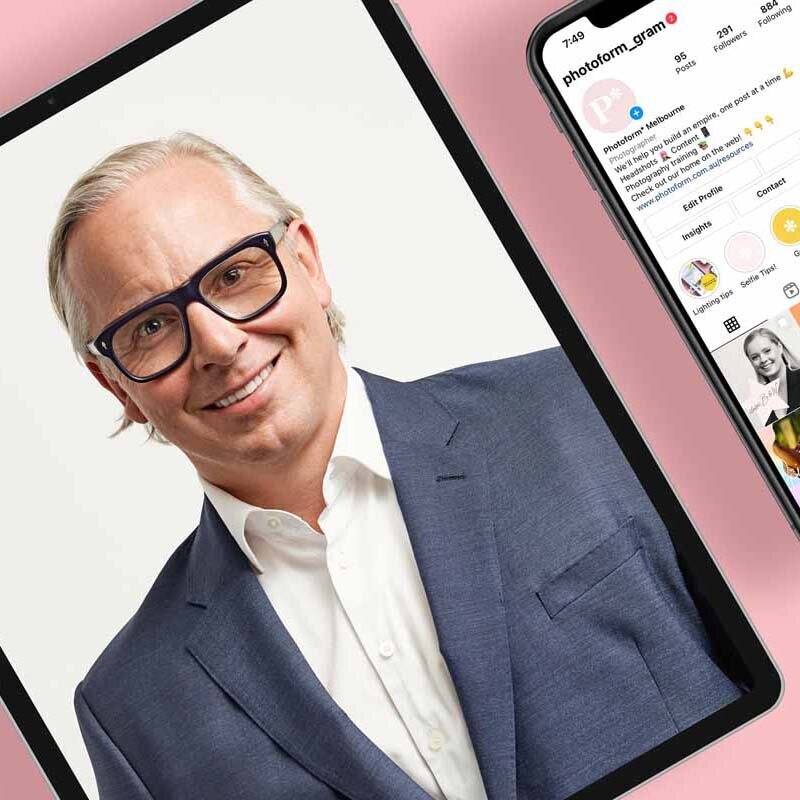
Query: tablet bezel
x,y
696,559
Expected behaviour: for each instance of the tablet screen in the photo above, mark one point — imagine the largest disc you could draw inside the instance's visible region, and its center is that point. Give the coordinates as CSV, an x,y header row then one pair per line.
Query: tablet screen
x,y
308,96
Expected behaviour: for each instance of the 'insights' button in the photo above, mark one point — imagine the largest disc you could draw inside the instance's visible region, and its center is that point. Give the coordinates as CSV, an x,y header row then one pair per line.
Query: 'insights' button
x,y
700,227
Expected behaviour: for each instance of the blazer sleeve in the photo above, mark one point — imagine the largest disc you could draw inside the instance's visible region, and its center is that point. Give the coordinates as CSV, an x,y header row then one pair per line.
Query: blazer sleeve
x,y
116,778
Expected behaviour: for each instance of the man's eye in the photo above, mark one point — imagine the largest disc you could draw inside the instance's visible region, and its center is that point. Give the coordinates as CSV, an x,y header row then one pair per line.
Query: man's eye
x,y
231,276
151,326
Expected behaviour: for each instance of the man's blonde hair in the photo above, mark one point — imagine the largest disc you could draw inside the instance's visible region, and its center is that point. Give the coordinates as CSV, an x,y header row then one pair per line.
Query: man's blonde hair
x,y
118,170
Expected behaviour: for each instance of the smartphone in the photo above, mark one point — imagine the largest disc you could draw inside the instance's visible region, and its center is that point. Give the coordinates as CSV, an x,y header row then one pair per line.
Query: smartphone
x,y
685,117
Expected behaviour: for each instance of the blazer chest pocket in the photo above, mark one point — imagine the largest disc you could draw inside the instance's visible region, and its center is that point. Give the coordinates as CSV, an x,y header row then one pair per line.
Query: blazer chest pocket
x,y
589,570
611,661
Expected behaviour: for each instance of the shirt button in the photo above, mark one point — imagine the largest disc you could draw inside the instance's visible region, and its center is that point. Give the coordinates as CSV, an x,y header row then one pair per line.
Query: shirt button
x,y
435,740
274,523
386,649
341,560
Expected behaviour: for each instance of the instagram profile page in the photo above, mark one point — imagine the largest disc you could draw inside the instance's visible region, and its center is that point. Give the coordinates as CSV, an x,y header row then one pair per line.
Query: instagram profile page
x,y
693,111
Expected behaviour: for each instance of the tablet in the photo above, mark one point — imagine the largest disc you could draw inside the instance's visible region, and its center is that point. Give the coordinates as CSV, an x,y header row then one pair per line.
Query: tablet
x,y
313,486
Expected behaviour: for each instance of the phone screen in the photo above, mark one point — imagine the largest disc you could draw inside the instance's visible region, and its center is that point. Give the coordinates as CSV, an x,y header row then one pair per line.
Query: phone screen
x,y
693,112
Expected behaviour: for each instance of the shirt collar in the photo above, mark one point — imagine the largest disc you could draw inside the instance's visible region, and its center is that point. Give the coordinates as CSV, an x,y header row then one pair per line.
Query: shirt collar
x,y
357,439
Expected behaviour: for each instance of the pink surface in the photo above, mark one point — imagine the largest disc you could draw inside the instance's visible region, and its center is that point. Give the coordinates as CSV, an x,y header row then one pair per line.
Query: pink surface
x,y
19,773
477,49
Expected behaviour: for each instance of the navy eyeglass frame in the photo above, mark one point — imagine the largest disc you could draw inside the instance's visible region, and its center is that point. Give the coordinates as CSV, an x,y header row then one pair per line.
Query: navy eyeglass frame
x,y
189,292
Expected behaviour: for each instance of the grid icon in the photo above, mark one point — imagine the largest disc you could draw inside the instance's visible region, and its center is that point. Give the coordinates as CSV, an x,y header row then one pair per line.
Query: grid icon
x,y
731,324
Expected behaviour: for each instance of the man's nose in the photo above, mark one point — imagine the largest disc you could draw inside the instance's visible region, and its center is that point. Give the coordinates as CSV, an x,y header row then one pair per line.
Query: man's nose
x,y
215,340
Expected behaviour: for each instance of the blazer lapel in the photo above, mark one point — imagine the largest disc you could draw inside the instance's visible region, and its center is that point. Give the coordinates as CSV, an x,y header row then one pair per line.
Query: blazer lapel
x,y
242,644
442,489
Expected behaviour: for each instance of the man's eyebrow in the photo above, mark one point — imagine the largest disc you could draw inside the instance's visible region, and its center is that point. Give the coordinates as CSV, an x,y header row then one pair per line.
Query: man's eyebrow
x,y
138,299
227,246
231,243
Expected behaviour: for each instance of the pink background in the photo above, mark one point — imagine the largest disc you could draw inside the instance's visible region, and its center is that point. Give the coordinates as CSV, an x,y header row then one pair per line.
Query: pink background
x,y
477,48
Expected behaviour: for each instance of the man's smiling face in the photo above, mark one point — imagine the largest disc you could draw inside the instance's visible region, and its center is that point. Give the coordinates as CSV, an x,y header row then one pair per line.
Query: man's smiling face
x,y
151,237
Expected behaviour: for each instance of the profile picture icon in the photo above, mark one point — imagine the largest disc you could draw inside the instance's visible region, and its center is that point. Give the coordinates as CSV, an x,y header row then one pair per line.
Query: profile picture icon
x,y
699,278
607,105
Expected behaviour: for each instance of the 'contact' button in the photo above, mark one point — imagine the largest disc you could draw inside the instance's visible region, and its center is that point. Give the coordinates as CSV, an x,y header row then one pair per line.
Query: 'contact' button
x,y
767,188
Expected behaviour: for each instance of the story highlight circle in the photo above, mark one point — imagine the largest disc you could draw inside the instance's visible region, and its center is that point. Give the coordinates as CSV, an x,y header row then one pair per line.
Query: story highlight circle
x,y
785,225
745,251
699,278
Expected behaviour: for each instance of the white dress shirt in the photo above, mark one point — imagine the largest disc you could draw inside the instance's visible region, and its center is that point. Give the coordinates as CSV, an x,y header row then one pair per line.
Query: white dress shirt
x,y
353,601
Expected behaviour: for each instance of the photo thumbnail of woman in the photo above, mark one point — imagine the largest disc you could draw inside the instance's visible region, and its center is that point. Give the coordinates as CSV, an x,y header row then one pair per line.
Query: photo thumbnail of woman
x,y
773,361
762,366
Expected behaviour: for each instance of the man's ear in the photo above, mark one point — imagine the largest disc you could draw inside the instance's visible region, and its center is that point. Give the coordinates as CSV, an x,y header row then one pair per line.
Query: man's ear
x,y
132,411
307,251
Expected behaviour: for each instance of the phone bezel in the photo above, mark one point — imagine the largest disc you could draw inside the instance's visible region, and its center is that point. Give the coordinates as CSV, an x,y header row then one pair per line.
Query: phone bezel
x,y
699,563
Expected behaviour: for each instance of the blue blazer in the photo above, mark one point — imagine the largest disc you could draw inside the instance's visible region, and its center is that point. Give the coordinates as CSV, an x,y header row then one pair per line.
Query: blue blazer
x,y
571,637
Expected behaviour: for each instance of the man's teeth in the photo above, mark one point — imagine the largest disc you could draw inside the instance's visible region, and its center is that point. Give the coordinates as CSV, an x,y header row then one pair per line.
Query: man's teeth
x,y
246,390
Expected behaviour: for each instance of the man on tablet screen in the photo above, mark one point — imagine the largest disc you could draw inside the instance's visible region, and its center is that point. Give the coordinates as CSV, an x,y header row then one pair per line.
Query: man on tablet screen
x,y
449,588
